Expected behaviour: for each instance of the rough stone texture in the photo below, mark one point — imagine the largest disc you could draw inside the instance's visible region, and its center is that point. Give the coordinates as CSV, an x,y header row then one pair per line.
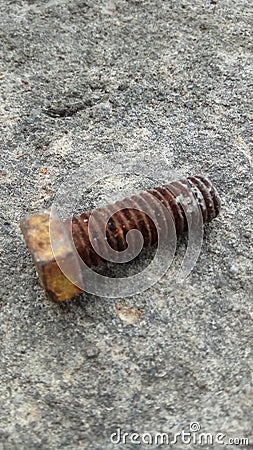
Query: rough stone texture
x,y
98,77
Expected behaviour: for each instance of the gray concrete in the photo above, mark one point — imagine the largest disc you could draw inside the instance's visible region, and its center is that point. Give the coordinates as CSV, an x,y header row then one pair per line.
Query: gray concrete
x,y
114,74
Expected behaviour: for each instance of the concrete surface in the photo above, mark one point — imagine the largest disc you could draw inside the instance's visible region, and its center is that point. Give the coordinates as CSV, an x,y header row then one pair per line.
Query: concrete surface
x,y
115,74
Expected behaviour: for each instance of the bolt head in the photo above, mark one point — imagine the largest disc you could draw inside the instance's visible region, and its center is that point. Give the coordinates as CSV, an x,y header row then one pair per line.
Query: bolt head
x,y
36,231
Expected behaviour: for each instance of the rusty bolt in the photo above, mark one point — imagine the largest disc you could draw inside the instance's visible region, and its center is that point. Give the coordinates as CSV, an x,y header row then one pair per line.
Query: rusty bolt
x,y
36,231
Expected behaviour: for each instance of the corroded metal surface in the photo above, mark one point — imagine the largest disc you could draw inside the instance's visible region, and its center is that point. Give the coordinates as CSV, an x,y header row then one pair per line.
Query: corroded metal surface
x,y
129,216
36,231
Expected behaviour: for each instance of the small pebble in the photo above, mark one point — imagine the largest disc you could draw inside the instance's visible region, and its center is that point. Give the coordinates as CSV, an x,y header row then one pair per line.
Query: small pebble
x,y
92,352
233,269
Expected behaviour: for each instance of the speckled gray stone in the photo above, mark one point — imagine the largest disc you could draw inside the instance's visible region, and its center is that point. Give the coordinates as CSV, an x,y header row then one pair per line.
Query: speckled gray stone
x,y
108,73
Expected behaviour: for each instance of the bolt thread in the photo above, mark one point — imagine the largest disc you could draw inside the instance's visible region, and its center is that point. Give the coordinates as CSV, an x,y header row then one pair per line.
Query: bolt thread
x,y
173,196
